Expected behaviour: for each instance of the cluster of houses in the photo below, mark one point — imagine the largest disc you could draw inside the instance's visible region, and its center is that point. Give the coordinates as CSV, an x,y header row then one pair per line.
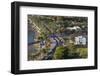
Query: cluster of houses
x,y
80,40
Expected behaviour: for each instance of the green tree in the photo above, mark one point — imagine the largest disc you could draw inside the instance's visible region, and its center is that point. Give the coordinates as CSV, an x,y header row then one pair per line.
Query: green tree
x,y
60,52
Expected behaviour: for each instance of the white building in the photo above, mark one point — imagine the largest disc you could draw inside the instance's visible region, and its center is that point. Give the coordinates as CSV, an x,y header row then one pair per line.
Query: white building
x,y
80,40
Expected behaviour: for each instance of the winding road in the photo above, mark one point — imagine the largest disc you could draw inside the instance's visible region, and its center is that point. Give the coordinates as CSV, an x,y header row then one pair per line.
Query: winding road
x,y
55,42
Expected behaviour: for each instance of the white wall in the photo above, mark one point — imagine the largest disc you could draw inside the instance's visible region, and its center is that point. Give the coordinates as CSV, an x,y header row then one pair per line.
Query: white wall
x,y
5,41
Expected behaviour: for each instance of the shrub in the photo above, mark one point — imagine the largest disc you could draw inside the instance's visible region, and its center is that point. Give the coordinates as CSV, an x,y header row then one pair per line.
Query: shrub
x,y
83,53
59,53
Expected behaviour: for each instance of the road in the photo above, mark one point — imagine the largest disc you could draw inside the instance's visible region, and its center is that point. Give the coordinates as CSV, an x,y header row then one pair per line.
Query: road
x,y
55,42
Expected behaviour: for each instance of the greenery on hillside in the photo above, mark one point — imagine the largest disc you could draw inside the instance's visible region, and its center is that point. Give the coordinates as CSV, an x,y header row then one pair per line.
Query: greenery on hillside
x,y
51,30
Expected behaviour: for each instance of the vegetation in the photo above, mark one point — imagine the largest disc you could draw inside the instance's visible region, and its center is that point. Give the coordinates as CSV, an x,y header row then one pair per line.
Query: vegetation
x,y
83,53
54,39
70,52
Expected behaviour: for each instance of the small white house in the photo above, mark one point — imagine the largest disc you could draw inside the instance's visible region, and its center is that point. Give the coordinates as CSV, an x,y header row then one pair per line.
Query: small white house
x,y
80,40
77,41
